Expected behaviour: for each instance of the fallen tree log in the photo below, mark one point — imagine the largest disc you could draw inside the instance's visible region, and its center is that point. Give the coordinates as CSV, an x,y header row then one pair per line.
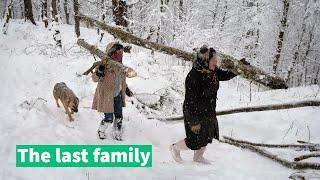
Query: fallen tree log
x,y
284,162
308,147
306,156
226,61
254,108
105,59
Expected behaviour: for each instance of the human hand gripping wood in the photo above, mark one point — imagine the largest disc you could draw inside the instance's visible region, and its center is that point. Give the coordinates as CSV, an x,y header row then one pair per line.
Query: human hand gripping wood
x,y
196,128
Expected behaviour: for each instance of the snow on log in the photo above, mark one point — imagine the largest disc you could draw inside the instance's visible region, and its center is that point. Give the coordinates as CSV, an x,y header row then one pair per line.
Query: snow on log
x,y
255,108
298,147
262,152
129,72
226,61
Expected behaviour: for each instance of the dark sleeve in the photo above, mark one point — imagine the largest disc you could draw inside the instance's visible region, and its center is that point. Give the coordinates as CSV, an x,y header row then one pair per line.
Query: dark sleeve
x,y
192,100
225,75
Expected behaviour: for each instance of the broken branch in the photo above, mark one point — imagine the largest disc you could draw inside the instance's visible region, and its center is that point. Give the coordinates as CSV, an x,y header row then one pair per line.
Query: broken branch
x,y
284,162
294,146
306,156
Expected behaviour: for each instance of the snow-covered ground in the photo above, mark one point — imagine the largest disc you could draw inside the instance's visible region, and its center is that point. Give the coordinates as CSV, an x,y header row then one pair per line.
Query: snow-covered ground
x,y
31,65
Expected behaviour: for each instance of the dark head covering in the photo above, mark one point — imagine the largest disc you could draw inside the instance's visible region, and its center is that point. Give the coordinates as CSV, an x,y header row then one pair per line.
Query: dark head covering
x,y
111,52
116,46
203,57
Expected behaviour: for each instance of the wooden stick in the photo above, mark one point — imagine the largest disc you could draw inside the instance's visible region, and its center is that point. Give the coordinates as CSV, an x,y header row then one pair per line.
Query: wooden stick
x,y
284,162
306,156
254,109
129,72
226,62
294,146
304,142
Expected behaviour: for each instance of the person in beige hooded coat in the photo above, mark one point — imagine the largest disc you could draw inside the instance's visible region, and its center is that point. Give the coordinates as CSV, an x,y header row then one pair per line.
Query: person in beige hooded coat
x,y
109,97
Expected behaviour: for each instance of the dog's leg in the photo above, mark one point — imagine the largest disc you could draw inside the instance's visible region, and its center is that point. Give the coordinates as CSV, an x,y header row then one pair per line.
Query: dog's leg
x,y
68,112
57,101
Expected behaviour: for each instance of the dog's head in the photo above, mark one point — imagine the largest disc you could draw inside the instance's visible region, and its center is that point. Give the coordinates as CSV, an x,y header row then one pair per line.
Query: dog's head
x,y
74,105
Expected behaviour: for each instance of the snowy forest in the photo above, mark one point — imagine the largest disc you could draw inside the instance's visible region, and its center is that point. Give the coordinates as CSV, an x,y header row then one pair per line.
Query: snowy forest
x,y
268,110
281,37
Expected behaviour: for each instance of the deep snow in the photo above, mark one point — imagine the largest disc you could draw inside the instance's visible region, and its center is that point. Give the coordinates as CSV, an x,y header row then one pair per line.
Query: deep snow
x,y
31,65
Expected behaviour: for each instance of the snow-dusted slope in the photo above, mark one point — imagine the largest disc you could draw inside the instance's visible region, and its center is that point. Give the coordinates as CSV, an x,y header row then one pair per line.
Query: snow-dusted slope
x,y
31,65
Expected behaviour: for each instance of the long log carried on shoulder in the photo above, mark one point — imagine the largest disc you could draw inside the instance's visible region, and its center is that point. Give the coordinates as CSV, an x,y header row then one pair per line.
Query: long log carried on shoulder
x,y
105,59
226,61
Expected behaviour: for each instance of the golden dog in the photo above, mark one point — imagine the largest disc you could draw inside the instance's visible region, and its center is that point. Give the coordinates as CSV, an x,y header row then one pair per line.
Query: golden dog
x,y
67,97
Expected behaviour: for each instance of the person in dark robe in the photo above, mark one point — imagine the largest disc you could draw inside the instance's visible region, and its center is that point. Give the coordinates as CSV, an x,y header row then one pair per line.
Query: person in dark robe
x,y
199,107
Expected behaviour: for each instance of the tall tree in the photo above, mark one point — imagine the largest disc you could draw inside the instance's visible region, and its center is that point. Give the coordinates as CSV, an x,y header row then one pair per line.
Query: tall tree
x,y
44,12
294,74
162,22
66,10
76,18
28,11
54,10
55,16
284,20
7,17
181,11
102,18
224,17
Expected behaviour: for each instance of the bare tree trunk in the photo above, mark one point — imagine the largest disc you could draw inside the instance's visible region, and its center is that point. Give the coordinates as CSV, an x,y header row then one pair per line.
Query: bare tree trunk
x,y
224,16
181,11
317,77
28,11
293,75
160,35
7,17
308,48
281,35
44,12
102,18
55,16
120,12
111,64
215,12
54,10
227,62
76,18
66,10
22,12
